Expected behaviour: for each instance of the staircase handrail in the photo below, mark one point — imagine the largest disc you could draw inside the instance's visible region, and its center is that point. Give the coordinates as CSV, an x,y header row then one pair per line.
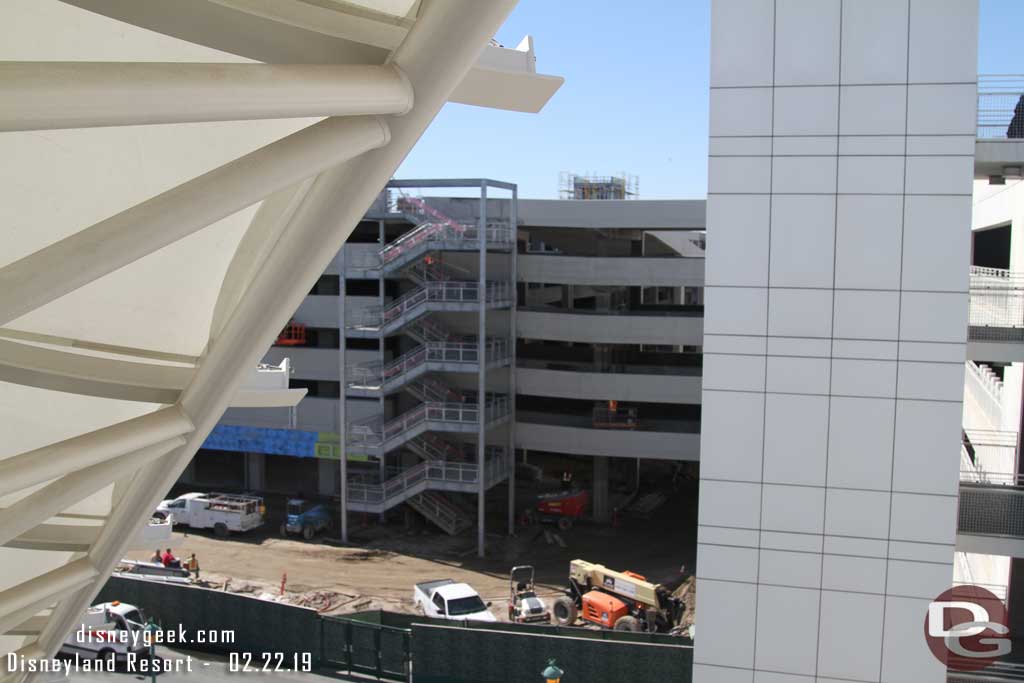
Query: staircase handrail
x,y
497,406
438,471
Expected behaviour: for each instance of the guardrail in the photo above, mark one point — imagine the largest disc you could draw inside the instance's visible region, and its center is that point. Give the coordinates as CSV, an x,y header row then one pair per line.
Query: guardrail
x,y
450,291
395,488
374,375
1000,106
467,234
367,433
991,510
996,305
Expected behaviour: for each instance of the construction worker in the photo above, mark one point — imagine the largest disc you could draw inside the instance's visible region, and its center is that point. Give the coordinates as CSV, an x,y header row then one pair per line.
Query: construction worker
x,y
170,560
193,566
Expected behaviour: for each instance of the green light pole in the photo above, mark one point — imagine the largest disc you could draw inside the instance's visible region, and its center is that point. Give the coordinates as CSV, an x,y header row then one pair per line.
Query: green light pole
x,y
552,674
152,628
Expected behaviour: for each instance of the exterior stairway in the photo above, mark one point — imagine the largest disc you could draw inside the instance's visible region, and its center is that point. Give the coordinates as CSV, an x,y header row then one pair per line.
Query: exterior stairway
x,y
429,446
440,511
375,438
422,486
444,295
444,466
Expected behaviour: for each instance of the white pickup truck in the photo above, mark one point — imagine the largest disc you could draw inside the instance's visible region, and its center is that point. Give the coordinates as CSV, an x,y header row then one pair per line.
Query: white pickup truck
x,y
218,511
445,599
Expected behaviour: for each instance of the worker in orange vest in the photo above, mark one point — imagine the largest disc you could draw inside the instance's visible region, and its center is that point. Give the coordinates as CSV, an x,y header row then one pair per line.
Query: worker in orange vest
x,y
193,566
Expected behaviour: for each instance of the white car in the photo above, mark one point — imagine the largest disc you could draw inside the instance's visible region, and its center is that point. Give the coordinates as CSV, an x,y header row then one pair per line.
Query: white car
x,y
446,599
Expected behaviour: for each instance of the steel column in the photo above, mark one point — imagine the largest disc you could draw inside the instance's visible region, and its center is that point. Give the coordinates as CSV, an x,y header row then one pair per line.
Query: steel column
x,y
514,292
380,346
481,393
342,395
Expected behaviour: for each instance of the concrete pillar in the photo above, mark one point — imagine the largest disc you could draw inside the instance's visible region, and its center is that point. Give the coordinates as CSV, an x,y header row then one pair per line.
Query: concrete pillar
x,y
327,477
255,471
599,494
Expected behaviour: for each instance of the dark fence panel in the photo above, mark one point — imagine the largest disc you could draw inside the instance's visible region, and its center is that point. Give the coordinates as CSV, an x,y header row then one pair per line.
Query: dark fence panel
x,y
446,654
387,645
256,625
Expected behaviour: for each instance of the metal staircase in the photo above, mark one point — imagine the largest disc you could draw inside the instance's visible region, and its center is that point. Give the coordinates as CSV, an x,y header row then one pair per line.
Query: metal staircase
x,y
452,295
375,438
422,486
444,467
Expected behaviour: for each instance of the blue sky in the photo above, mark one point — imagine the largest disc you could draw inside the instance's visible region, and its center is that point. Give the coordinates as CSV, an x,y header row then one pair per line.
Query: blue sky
x,y
634,99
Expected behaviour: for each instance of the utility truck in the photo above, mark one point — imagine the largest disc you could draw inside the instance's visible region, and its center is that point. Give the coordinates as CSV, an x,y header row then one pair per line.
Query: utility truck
x,y
221,512
446,599
110,631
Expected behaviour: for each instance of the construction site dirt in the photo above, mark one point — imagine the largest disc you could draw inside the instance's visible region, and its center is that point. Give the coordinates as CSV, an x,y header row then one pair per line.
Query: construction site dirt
x,y
378,568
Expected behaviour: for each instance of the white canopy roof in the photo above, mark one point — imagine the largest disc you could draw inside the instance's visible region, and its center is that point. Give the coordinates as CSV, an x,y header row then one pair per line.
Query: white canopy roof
x,y
141,275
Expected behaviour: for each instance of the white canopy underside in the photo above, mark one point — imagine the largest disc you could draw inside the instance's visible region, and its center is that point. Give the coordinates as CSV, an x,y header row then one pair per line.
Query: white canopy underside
x,y
149,321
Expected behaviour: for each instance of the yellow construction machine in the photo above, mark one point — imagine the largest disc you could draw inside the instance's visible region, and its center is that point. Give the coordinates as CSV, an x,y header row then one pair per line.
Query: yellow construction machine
x,y
624,601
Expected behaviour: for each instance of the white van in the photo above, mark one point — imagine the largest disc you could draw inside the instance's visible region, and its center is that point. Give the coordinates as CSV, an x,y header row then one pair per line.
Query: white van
x,y
109,631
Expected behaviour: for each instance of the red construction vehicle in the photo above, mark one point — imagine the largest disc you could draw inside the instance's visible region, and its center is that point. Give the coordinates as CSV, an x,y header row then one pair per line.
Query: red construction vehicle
x,y
561,508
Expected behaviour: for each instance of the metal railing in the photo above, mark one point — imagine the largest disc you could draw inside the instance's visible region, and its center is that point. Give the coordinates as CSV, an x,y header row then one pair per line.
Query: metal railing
x,y
468,234
374,317
373,375
989,456
1000,106
396,489
991,510
371,433
996,305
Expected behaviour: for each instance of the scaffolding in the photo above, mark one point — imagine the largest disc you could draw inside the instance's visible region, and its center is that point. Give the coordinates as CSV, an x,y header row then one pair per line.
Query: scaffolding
x,y
586,187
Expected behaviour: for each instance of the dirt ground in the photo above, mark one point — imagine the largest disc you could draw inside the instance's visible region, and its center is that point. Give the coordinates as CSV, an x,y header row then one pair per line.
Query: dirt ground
x,y
378,569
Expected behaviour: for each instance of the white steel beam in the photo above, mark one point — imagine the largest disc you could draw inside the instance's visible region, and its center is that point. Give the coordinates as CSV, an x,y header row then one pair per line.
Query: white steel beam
x,y
85,344
50,500
32,626
57,537
439,50
48,95
102,248
77,373
124,380
42,591
79,452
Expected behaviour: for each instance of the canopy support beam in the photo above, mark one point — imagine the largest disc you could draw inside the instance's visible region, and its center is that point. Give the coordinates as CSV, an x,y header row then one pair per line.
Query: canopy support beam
x,y
124,238
52,95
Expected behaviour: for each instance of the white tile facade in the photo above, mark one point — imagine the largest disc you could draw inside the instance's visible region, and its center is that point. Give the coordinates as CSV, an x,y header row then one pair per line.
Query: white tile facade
x,y
839,207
